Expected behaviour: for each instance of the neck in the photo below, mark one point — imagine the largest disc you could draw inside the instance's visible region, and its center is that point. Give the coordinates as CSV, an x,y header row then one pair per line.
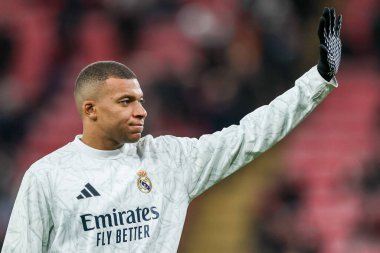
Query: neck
x,y
97,141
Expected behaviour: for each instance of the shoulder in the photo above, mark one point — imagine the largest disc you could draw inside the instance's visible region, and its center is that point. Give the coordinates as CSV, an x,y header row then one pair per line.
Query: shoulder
x,y
164,142
53,160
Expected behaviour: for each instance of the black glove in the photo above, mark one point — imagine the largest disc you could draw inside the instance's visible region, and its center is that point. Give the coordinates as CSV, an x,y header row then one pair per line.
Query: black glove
x,y
330,44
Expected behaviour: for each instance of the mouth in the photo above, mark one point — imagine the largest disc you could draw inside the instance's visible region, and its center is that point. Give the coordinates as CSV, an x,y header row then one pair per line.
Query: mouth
x,y
138,127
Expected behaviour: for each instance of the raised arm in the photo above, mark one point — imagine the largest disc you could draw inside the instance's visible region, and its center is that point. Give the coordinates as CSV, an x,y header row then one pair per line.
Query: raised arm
x,y
214,157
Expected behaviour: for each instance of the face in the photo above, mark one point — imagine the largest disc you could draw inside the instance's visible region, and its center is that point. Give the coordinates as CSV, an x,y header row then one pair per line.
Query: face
x,y
120,114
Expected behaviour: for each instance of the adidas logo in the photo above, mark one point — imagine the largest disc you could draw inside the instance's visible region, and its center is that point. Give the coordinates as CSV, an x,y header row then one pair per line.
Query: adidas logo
x,y
88,192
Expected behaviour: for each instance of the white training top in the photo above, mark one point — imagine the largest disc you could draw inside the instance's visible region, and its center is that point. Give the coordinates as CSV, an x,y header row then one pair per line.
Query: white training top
x,y
134,199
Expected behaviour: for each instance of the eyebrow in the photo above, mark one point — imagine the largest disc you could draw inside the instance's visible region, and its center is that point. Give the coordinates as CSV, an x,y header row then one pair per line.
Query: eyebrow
x,y
130,97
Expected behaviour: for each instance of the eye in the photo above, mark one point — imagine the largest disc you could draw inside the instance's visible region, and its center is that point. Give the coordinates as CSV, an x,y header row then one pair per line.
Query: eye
x,y
125,101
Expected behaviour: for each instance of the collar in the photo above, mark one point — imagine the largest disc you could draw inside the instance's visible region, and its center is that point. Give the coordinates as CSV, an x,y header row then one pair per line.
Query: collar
x,y
98,153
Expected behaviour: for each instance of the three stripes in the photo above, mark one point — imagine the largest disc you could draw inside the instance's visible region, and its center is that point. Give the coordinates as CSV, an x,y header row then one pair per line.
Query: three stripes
x,y
88,192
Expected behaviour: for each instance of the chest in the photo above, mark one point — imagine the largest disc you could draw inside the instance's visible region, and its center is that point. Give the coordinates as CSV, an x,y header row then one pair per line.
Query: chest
x,y
104,185
108,204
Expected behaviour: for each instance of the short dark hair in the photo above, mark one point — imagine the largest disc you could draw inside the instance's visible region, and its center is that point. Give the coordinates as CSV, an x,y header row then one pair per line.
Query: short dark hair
x,y
92,77
100,71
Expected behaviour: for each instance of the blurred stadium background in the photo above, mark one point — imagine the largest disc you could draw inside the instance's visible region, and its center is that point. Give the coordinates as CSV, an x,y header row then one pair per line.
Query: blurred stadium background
x,y
203,64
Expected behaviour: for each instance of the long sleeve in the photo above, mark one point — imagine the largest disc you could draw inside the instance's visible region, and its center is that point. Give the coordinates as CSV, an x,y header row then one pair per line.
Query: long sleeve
x,y
30,222
213,157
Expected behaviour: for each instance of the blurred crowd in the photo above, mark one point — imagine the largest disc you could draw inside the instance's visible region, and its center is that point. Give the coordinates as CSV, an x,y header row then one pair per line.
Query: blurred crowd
x,y
284,225
202,64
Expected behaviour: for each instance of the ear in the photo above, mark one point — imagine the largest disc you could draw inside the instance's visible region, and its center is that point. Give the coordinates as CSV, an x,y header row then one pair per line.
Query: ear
x,y
89,109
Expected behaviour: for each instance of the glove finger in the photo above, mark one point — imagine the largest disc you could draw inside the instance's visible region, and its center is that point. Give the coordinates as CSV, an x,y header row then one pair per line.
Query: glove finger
x,y
339,25
326,16
332,20
321,30
326,13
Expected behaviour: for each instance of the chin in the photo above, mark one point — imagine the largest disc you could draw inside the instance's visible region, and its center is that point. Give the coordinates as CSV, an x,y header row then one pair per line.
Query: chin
x,y
133,139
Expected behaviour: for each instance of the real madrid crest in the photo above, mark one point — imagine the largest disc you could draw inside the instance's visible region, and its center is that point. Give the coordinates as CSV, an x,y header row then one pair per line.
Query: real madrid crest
x,y
143,182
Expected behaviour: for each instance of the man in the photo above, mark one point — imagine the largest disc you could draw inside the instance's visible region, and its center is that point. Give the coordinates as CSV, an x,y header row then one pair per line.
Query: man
x,y
111,190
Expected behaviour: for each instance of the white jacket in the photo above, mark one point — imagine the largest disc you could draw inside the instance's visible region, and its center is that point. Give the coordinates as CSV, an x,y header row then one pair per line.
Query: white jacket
x,y
78,199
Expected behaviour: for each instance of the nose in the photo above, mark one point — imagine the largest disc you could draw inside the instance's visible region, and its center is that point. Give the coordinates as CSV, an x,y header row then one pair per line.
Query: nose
x,y
139,111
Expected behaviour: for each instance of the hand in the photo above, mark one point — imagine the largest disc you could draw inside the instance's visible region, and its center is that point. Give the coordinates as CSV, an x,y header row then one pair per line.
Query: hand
x,y
330,43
